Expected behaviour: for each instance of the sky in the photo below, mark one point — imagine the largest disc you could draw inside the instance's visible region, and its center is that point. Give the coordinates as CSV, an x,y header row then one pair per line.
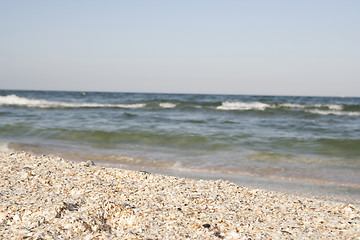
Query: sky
x,y
299,47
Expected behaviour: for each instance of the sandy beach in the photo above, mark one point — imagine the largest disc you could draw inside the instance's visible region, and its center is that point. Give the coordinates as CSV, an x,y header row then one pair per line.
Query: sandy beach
x,y
45,197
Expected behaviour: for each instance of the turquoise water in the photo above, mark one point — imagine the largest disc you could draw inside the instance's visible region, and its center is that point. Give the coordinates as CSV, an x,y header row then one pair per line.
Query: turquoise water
x,y
312,142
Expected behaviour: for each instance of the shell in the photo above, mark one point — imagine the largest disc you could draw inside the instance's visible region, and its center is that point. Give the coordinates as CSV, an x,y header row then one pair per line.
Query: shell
x,y
51,198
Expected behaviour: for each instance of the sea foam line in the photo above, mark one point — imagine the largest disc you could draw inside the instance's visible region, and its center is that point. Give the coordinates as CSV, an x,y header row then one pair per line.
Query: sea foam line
x,y
301,106
243,106
13,100
315,108
167,105
333,112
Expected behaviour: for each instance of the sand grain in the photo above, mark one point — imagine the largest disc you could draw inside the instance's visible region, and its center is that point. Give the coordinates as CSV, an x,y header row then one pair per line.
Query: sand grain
x,y
51,198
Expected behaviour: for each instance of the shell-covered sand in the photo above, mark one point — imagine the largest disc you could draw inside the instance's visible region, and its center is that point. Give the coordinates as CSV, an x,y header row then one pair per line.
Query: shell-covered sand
x,y
51,198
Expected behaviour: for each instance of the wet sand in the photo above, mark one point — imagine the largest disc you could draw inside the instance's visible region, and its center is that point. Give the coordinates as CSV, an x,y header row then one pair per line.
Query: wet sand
x,y
50,198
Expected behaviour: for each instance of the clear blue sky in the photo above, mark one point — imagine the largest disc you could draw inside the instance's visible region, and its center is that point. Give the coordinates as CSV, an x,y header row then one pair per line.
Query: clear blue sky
x,y
300,47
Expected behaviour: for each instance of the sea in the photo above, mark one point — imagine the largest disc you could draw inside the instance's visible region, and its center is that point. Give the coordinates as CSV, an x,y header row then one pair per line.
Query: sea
x,y
308,145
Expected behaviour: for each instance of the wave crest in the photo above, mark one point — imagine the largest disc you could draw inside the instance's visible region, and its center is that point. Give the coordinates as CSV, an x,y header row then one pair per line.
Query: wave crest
x,y
13,100
243,106
333,112
167,105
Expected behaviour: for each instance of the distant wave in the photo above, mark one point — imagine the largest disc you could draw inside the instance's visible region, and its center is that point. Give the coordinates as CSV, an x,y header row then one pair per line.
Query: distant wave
x,y
13,100
167,105
322,106
333,112
320,109
243,106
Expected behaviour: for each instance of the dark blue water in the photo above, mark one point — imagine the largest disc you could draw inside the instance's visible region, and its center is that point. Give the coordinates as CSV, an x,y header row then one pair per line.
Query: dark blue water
x,y
276,140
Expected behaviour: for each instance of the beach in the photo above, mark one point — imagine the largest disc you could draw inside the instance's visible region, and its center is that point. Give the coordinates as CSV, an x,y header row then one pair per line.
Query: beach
x,y
282,143
168,120
46,197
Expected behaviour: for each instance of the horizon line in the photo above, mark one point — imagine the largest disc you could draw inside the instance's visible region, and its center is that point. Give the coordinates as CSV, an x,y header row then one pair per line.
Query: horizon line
x,y
180,93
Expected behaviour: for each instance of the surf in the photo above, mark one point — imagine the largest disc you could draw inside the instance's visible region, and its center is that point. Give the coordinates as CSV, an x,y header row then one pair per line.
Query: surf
x,y
13,100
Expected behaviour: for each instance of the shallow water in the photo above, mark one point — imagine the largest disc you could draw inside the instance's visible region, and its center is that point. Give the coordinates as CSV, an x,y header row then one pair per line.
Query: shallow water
x,y
274,141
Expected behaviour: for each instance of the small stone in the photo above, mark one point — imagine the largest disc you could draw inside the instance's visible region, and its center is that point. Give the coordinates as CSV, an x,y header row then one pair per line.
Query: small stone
x,y
88,163
206,225
217,234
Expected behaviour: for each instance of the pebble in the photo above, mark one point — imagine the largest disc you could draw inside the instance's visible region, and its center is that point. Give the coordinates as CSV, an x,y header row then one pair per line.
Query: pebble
x,y
206,225
44,197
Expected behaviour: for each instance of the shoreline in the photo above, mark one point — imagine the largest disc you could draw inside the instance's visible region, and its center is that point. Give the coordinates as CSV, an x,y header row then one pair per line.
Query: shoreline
x,y
306,187
48,197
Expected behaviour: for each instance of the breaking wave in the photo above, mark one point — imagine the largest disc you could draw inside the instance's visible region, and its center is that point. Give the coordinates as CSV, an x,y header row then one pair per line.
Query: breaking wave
x,y
333,112
337,107
13,100
167,105
317,109
243,106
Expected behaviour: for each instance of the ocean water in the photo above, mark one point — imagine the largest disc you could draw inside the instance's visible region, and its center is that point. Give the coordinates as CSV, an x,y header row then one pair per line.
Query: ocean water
x,y
306,144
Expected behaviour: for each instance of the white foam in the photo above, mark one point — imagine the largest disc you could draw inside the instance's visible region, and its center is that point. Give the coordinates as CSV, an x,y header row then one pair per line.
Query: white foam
x,y
137,105
292,105
333,112
242,106
167,105
13,100
335,107
328,106
4,147
300,106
